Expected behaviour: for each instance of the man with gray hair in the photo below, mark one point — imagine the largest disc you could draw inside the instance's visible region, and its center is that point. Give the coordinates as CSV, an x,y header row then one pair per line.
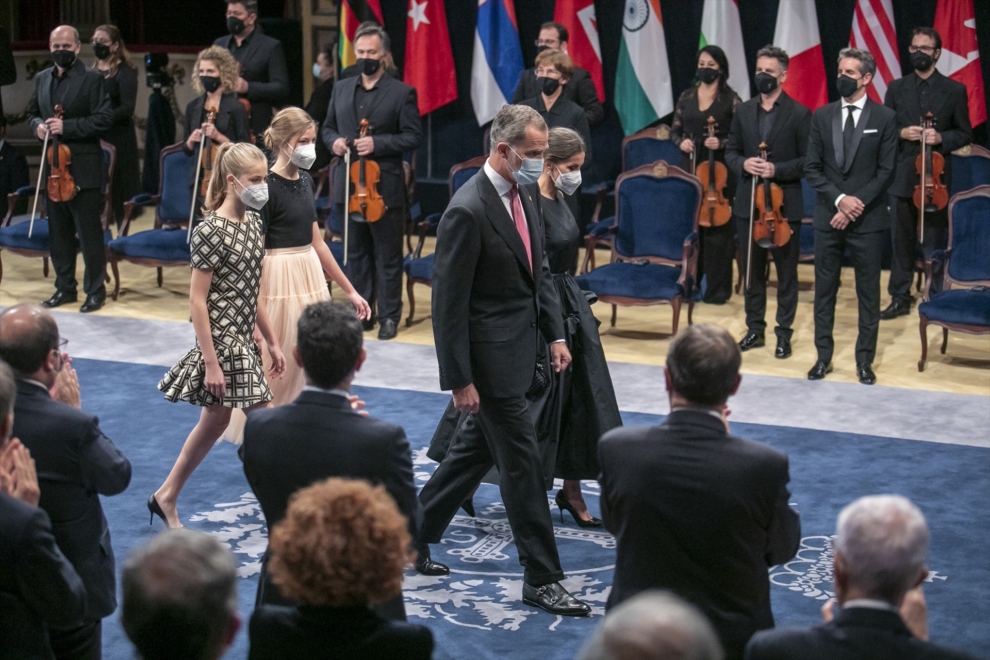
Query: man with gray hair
x,y
493,297
653,625
180,597
880,546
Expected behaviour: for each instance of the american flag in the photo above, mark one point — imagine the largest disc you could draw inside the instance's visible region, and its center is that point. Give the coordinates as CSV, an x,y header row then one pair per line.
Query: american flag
x,y
873,30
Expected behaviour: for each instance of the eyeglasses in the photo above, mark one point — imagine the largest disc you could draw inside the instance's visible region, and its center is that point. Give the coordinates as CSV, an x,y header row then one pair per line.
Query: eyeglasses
x,y
62,343
927,50
552,43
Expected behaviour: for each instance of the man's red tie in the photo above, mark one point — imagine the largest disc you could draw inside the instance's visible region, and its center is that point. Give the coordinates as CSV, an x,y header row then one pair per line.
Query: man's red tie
x,y
519,218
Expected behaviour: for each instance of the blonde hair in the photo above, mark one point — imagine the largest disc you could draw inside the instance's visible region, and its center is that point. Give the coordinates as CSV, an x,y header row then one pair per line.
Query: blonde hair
x,y
122,56
232,158
559,60
225,63
288,123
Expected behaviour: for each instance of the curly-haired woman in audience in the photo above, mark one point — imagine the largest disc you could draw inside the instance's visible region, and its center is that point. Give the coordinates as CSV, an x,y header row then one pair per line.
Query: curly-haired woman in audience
x,y
340,549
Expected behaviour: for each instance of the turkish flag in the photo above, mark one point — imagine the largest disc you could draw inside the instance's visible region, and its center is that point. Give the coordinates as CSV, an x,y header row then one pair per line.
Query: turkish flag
x,y
578,16
955,21
429,63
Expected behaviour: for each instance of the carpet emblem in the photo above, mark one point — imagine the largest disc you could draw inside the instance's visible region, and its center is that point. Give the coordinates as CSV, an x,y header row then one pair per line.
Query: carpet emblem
x,y
241,527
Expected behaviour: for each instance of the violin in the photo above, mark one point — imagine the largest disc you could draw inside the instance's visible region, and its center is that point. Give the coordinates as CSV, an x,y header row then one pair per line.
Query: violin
x,y
365,204
715,209
206,155
930,194
61,185
770,229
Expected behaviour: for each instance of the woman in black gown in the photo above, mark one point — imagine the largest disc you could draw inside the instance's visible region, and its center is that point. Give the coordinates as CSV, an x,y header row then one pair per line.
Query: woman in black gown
x,y
710,97
114,62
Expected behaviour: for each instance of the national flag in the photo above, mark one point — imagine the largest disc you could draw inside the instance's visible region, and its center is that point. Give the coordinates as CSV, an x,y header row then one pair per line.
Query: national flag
x,y
955,21
429,63
720,26
797,33
498,60
643,90
578,16
352,14
873,30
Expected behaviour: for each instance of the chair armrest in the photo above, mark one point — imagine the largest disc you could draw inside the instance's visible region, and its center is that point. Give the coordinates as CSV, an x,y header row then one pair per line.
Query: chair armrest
x,y
12,200
603,193
603,232
144,199
433,219
689,264
24,191
938,259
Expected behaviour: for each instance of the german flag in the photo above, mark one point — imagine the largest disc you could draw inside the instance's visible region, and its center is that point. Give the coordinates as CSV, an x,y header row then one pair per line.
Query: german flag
x,y
352,14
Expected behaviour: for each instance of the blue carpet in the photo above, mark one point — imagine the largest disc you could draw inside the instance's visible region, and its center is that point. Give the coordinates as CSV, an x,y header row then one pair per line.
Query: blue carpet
x,y
477,611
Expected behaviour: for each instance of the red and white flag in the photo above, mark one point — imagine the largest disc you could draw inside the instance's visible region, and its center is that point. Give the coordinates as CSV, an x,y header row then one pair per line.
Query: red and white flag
x,y
429,63
955,21
797,33
873,30
578,16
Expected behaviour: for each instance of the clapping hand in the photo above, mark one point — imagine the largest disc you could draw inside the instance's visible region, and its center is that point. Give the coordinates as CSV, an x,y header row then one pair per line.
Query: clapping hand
x,y
18,476
358,405
66,387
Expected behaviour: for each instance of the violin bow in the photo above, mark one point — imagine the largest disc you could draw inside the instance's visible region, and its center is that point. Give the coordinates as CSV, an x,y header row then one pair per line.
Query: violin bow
x,y
347,197
37,190
192,204
749,251
924,189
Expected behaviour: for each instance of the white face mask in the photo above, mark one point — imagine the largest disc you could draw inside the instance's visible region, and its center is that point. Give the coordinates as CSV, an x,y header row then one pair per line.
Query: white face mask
x,y
303,156
529,171
254,196
317,72
567,182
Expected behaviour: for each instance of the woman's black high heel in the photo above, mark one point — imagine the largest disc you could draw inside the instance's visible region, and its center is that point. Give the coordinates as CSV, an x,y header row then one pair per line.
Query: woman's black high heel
x,y
156,510
563,503
468,505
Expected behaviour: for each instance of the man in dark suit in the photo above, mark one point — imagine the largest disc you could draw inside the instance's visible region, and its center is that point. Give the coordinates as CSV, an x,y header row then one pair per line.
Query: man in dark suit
x,y
320,435
8,68
83,96
693,508
38,586
76,464
775,119
264,79
389,105
492,298
581,89
852,148
880,547
13,165
912,97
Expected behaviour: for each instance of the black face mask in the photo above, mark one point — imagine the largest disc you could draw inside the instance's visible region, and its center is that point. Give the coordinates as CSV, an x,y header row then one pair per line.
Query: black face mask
x,y
102,51
235,25
210,83
706,75
540,49
548,85
921,61
765,83
369,67
63,58
847,86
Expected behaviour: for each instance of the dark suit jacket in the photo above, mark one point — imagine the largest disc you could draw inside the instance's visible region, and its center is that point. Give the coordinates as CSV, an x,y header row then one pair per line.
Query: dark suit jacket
x,y
394,124
488,308
76,464
13,170
701,513
317,107
949,105
263,67
8,69
231,119
787,142
855,634
580,89
866,174
88,113
332,633
566,114
38,586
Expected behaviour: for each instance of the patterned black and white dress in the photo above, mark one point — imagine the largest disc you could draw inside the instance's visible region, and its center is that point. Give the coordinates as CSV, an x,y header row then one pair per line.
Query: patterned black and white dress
x,y
233,251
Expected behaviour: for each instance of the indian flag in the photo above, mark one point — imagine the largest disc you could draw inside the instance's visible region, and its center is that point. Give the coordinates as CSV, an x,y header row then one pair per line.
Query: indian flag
x,y
720,27
643,91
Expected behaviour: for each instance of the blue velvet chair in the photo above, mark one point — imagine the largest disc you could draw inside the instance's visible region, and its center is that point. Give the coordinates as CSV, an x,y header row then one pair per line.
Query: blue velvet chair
x,y
655,241
165,244
970,168
964,262
14,228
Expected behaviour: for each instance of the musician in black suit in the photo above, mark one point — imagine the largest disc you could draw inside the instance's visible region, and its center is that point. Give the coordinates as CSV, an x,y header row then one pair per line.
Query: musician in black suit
x,y
880,547
319,435
492,298
581,89
777,120
83,96
8,68
693,508
264,76
912,97
852,149
390,107
76,464
215,77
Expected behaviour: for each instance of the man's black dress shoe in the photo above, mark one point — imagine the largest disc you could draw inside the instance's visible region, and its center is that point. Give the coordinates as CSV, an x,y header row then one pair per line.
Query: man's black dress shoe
x,y
865,374
426,566
752,340
820,370
895,309
554,599
60,298
92,304
388,329
783,348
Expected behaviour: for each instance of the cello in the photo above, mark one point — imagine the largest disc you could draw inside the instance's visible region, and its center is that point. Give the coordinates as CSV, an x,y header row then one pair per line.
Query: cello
x,y
715,209
770,230
204,165
61,187
365,203
930,194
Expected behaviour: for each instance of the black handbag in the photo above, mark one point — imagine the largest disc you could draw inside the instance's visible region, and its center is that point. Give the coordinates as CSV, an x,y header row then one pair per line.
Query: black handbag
x,y
541,381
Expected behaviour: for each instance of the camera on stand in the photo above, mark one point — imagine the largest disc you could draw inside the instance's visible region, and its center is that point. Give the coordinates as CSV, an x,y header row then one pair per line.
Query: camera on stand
x,y
156,68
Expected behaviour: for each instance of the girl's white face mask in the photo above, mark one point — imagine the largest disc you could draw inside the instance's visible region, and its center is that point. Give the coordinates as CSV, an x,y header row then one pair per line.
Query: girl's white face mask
x,y
254,196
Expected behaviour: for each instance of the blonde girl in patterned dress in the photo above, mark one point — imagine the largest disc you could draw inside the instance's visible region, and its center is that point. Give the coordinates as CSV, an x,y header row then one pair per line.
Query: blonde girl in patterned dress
x,y
224,370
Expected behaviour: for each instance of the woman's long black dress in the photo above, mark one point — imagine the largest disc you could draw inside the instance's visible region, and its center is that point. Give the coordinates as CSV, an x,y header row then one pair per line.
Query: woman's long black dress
x,y
122,88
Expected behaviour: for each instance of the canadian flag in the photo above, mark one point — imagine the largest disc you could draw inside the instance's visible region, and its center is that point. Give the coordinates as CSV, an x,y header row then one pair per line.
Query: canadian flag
x,y
578,16
955,21
797,33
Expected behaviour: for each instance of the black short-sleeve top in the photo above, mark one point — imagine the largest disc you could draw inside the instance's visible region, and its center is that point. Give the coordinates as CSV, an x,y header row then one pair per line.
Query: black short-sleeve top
x,y
290,212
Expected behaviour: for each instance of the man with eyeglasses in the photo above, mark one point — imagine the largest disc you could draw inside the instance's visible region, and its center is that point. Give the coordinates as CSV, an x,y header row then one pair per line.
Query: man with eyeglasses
x,y
580,89
912,97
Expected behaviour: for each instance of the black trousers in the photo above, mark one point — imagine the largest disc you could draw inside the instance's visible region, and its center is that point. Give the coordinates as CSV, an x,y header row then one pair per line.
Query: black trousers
x,y
718,249
512,445
904,235
82,643
375,262
785,260
73,225
866,251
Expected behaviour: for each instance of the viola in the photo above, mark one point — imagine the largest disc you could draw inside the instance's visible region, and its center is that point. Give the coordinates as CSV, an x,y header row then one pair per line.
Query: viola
x,y
715,209
770,229
207,155
365,204
930,194
61,185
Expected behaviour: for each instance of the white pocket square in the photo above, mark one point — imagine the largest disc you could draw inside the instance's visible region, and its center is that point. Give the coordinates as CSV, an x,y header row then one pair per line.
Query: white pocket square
x,y
869,130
